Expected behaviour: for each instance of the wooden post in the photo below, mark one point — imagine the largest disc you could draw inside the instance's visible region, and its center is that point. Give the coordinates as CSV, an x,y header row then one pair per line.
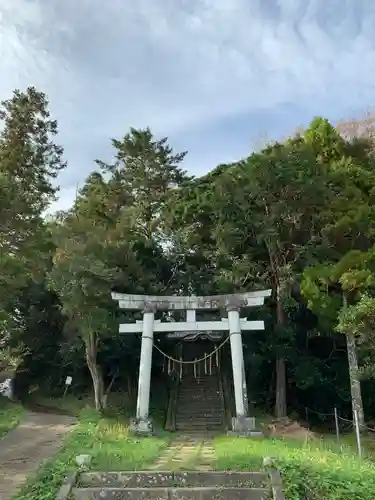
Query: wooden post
x,y
357,433
337,425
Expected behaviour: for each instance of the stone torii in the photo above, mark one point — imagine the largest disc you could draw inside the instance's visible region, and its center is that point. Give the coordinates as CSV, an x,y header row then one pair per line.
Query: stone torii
x,y
233,324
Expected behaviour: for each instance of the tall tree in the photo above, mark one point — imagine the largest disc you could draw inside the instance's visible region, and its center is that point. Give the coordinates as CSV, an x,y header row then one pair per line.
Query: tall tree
x,y
83,280
110,240
339,274
30,161
145,170
285,190
257,220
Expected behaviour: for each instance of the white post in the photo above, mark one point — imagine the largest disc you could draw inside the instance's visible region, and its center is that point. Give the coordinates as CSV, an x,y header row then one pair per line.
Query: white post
x,y
337,425
237,359
145,364
357,433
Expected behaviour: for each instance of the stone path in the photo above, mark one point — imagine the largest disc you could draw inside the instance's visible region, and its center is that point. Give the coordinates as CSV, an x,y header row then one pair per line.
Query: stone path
x,y
22,450
187,452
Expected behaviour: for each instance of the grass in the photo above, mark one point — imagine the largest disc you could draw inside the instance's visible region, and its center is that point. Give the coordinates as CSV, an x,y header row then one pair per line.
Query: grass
x,y
10,415
69,404
315,470
110,446
310,470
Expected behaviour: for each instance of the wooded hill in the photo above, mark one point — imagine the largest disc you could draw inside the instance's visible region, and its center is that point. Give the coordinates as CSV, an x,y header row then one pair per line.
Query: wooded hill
x,y
297,216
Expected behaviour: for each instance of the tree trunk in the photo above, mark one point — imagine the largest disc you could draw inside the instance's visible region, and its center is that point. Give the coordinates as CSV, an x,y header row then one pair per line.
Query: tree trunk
x,y
355,382
95,371
280,405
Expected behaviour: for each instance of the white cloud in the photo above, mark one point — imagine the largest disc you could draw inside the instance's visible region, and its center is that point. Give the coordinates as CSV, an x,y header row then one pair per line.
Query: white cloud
x,y
180,65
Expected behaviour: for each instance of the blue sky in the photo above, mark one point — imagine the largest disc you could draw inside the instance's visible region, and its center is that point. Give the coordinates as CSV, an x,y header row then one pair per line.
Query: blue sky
x,y
215,76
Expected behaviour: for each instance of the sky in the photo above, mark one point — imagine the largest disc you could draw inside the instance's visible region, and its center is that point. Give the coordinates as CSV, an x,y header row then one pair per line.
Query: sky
x,y
218,77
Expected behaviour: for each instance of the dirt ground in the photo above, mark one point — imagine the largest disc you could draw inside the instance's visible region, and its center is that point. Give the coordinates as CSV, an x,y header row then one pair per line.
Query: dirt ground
x,y
23,449
289,429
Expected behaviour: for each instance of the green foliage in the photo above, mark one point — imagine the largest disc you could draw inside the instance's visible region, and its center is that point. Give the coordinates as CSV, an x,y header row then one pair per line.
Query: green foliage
x,y
359,319
10,415
297,216
325,140
308,470
145,170
29,162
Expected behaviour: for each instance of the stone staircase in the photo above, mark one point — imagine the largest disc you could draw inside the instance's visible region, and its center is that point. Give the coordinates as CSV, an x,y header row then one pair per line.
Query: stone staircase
x,y
200,405
189,485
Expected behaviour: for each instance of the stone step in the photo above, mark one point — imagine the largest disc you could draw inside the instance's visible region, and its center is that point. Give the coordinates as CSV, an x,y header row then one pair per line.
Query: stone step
x,y
200,405
199,408
197,423
183,403
202,423
199,414
199,388
200,399
210,393
199,428
206,421
189,418
195,386
200,380
177,479
194,417
194,423
206,413
198,493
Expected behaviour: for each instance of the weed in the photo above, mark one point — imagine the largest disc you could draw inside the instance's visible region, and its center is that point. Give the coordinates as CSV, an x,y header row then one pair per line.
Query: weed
x,y
10,415
312,471
110,446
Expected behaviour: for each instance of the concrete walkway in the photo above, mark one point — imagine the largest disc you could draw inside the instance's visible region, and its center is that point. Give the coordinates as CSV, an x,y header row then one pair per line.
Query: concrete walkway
x,y
187,452
22,450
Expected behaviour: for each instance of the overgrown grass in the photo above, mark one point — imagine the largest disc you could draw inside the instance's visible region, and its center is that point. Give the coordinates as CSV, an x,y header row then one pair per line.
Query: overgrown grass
x,y
10,415
110,446
309,471
348,442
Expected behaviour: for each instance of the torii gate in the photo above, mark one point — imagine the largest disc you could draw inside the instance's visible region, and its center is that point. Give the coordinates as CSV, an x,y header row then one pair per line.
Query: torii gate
x,y
233,324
